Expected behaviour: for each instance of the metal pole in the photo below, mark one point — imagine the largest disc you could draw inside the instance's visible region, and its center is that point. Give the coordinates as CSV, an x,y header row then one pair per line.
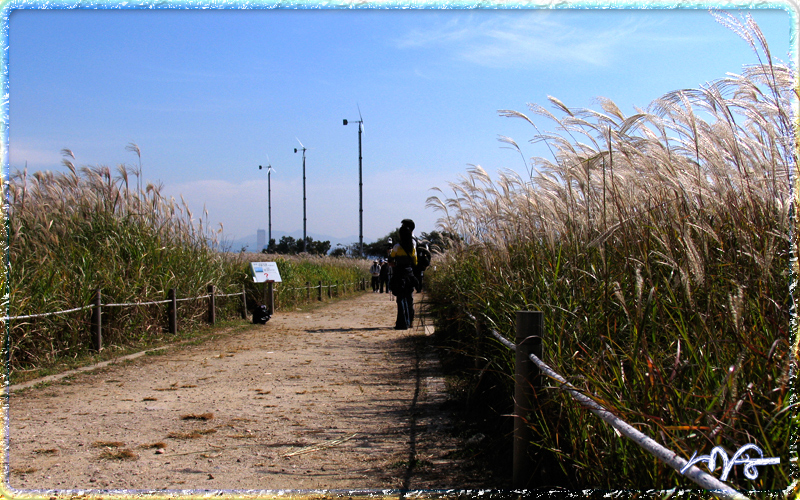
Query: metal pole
x,y
360,199
530,326
304,199
269,205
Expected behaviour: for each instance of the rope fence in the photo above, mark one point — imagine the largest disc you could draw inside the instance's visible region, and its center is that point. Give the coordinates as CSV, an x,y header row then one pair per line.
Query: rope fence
x,y
529,365
44,315
172,300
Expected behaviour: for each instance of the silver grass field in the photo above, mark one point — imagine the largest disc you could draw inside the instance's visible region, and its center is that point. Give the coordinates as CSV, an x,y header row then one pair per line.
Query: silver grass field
x,y
660,247
71,233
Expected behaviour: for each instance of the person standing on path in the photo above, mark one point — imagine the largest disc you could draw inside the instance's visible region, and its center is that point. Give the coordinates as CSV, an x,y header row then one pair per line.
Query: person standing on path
x,y
375,270
384,276
403,259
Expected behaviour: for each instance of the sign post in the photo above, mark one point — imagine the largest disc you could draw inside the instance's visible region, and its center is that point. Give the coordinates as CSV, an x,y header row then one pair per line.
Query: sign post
x,y
266,272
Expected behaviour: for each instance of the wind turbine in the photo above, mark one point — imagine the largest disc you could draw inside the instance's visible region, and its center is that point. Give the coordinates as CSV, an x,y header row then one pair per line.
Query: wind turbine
x,y
269,198
360,122
303,246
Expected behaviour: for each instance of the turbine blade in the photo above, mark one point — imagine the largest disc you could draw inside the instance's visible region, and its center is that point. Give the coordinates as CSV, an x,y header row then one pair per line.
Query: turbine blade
x,y
301,144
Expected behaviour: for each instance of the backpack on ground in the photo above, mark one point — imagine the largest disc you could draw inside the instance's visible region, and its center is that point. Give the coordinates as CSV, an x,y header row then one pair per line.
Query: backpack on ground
x,y
260,315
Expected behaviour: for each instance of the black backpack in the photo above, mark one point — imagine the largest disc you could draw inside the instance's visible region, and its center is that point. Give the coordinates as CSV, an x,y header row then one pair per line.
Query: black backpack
x,y
423,259
260,315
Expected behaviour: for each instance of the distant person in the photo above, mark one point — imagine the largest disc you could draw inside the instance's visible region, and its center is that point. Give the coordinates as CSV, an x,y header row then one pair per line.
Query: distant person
x,y
384,276
375,270
403,259
389,284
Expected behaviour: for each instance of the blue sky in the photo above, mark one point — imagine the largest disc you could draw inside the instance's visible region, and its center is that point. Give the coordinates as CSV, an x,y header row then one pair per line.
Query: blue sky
x,y
208,94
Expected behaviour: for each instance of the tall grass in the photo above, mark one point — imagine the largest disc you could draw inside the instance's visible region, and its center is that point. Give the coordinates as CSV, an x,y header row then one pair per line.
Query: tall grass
x,y
297,270
88,228
71,233
658,245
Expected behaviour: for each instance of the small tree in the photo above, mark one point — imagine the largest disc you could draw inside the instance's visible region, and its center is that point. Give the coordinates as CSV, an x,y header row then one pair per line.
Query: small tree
x,y
381,247
286,246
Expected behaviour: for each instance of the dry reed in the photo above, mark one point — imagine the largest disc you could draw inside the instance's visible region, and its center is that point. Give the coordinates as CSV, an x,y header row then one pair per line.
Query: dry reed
x,y
659,246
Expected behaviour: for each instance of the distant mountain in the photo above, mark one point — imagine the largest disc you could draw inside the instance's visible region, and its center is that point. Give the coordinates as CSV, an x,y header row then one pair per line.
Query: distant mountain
x,y
250,243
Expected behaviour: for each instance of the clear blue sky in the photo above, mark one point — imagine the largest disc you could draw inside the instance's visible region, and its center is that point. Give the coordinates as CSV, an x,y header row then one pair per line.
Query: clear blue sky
x,y
208,94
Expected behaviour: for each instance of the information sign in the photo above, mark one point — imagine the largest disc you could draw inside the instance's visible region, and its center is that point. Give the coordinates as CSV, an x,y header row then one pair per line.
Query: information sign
x,y
265,272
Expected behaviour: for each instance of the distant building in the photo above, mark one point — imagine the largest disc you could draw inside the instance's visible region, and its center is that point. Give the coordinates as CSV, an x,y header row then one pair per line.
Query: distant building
x,y
261,240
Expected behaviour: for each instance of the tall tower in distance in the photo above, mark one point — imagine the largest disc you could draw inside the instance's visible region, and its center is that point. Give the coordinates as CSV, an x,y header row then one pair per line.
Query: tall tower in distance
x,y
261,240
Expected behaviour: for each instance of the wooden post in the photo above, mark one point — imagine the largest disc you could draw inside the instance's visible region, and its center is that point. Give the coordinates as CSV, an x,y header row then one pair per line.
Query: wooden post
x,y
478,337
172,312
329,289
308,291
337,288
244,302
319,295
530,327
97,323
212,316
271,298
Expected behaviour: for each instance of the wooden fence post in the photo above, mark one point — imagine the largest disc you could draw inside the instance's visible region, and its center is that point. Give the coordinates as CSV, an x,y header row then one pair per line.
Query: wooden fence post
x,y
329,289
478,337
308,291
337,288
319,295
211,305
530,327
244,302
271,297
97,323
172,312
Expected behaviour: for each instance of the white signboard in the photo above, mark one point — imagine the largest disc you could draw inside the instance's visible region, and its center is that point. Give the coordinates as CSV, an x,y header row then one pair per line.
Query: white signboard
x,y
265,272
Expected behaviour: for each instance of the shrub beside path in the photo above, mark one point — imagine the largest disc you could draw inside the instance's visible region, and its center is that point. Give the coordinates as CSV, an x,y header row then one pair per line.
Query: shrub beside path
x,y
331,398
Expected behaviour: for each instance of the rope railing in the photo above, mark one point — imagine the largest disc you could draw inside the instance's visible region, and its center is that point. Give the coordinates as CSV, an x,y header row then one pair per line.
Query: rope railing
x,y
318,286
197,298
125,304
139,304
211,296
522,466
44,315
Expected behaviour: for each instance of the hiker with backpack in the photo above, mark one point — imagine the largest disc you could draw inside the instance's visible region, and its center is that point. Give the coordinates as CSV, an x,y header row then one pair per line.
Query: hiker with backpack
x,y
384,276
375,271
403,259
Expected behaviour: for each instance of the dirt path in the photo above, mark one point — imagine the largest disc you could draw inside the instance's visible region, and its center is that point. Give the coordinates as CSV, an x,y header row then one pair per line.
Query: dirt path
x,y
329,399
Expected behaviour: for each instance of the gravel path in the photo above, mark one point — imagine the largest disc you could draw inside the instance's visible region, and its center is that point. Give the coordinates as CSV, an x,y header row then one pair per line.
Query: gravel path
x,y
329,399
